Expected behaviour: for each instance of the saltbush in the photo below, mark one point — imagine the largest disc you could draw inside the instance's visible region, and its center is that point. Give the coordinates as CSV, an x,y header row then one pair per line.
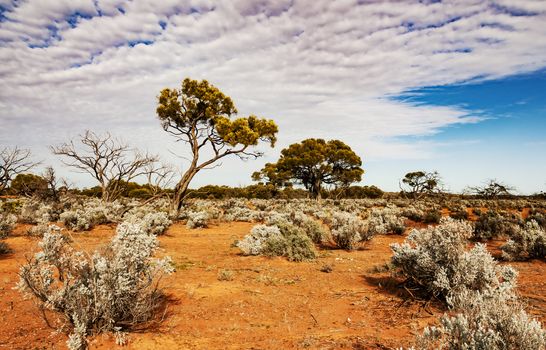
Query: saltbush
x,y
385,220
198,219
490,225
154,222
435,258
110,291
7,224
281,239
312,228
492,319
432,217
538,216
253,243
348,230
527,242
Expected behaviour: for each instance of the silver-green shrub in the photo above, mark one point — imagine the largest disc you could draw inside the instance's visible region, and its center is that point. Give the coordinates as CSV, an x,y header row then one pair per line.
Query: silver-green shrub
x,y
348,230
7,224
386,220
197,219
109,291
527,242
254,243
492,319
281,239
436,259
155,223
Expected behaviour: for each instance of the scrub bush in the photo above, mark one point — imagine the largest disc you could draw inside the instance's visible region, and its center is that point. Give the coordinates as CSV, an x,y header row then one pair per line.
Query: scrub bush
x,y
112,290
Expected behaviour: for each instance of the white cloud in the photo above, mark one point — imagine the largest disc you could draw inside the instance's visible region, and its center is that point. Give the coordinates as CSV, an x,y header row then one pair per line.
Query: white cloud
x,y
319,68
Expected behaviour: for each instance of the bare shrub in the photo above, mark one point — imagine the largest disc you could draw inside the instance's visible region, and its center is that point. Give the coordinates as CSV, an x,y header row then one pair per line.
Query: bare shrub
x,y
111,291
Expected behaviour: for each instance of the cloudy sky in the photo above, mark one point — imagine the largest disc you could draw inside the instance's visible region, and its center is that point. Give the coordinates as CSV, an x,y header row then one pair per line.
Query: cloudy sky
x,y
458,87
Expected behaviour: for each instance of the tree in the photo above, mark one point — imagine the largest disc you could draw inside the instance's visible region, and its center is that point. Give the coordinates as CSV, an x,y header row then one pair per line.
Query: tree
x,y
53,184
420,183
492,189
29,185
199,114
312,163
110,161
13,161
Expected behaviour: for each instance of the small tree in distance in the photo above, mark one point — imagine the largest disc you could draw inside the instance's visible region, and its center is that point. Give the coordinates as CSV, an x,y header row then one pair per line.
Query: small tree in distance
x,y
491,189
420,183
312,163
13,161
110,161
198,113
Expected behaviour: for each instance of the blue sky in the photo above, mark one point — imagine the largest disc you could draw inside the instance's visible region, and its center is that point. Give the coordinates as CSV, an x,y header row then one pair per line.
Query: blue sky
x,y
456,87
508,145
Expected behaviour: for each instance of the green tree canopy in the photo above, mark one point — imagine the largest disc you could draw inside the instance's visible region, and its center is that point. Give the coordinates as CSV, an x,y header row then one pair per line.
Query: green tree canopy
x,y
419,183
29,185
199,114
312,163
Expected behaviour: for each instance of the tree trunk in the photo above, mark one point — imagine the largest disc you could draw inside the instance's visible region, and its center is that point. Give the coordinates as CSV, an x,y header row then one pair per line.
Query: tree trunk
x,y
181,190
316,189
105,195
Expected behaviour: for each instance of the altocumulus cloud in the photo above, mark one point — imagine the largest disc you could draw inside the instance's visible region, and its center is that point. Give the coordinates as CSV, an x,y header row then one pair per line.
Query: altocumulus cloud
x,y
319,68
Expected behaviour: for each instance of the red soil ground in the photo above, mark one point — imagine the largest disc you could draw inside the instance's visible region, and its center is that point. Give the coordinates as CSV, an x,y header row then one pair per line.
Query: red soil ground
x,y
268,304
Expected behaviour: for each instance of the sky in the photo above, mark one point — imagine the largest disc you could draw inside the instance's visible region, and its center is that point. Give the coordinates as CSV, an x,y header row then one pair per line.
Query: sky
x,y
457,87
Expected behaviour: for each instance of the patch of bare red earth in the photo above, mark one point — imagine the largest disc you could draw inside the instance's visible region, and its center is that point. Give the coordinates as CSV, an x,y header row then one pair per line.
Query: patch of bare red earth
x,y
270,303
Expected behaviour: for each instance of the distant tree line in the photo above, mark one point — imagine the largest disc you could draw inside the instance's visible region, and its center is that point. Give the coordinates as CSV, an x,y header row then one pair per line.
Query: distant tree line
x,y
199,115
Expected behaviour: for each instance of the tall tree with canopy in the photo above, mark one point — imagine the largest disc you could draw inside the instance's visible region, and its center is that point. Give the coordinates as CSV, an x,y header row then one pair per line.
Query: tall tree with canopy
x,y
199,114
312,163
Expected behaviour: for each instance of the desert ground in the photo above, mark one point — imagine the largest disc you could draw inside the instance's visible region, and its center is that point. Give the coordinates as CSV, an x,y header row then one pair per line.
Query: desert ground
x,y
220,299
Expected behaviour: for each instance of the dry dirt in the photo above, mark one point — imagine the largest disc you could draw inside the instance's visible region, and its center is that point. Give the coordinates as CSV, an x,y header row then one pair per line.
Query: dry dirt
x,y
268,303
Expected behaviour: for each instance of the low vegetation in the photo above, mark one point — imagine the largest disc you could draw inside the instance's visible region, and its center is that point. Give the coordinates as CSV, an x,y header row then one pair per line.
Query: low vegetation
x,y
113,290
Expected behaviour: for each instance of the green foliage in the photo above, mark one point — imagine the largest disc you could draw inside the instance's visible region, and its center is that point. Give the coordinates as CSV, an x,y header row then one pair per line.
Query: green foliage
x,y
95,191
419,183
358,192
198,113
538,216
490,225
432,217
292,243
29,185
199,104
459,214
314,162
